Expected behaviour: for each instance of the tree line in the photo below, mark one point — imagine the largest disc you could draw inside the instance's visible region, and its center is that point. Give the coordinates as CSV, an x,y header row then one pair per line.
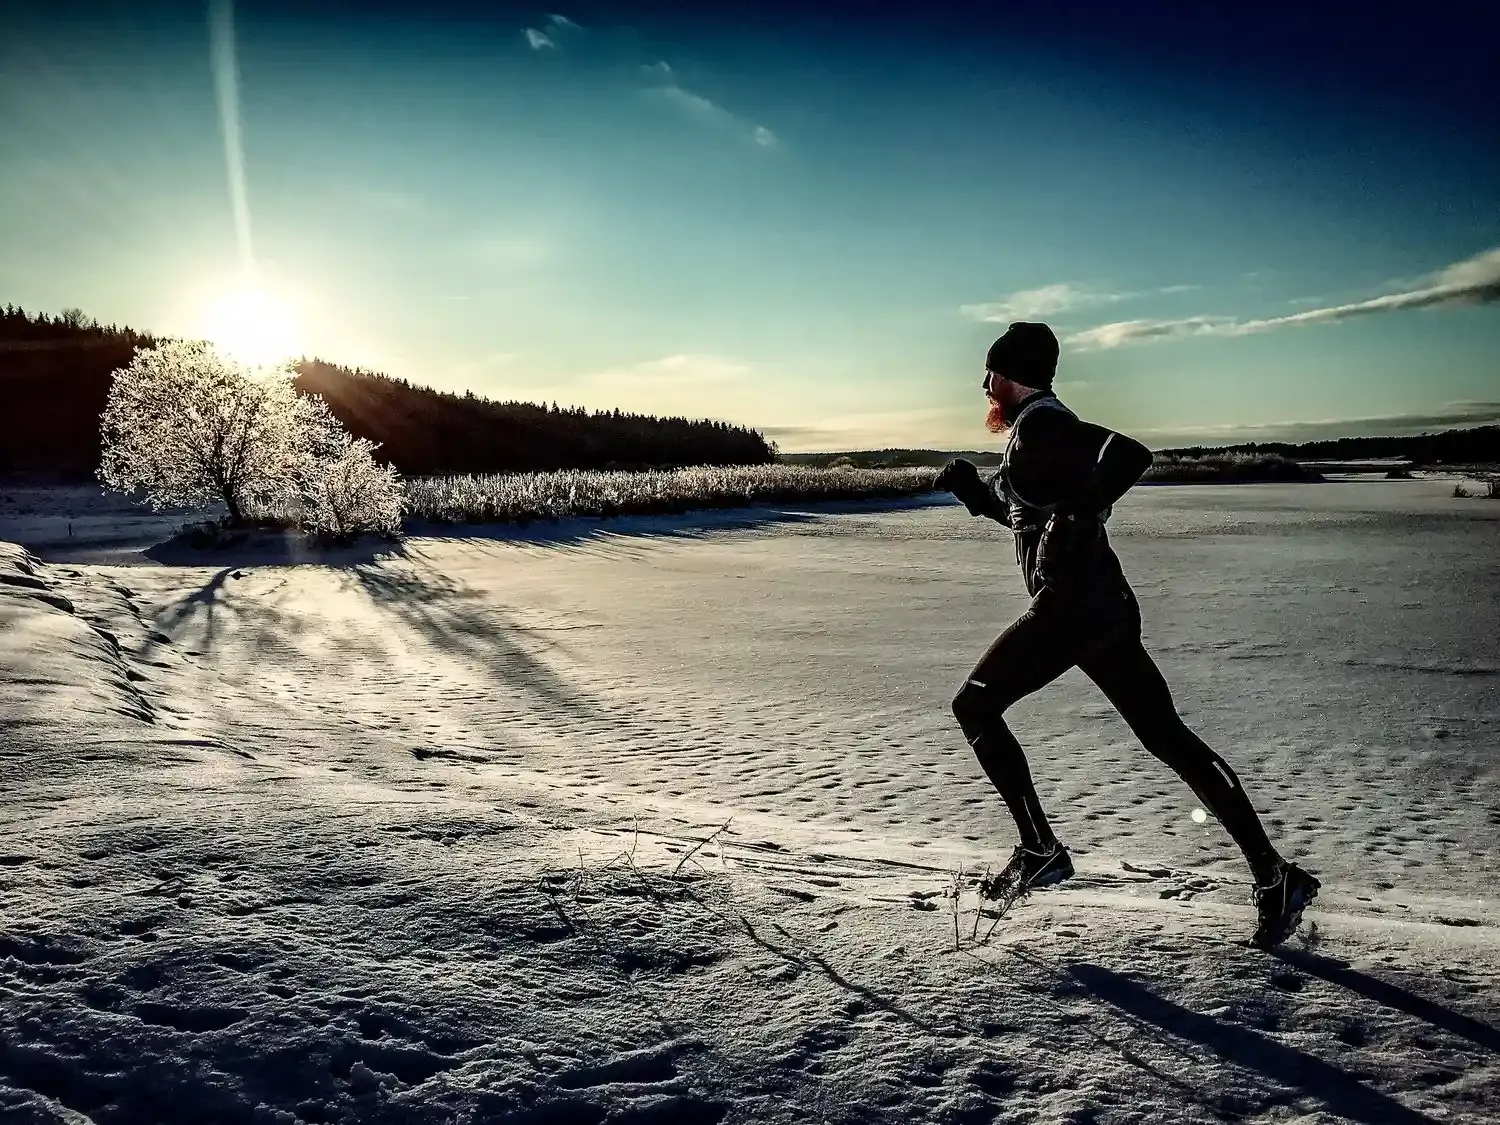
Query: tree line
x,y
56,373
426,432
1479,444
1476,445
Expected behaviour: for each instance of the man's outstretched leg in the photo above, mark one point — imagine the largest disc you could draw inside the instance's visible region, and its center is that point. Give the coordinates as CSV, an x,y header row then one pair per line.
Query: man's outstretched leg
x,y
1131,680
1039,647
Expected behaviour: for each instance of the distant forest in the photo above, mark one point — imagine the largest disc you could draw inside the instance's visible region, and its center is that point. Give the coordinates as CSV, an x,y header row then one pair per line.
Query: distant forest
x,y
1479,445
55,376
890,458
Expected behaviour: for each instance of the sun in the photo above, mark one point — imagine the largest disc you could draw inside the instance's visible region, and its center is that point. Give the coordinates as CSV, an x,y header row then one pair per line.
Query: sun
x,y
254,327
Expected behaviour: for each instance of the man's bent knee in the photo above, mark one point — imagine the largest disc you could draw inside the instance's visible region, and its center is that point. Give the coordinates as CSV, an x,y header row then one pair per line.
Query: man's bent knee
x,y
978,706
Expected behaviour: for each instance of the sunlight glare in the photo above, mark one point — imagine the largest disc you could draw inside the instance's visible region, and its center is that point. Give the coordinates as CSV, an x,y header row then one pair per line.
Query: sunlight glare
x,y
253,327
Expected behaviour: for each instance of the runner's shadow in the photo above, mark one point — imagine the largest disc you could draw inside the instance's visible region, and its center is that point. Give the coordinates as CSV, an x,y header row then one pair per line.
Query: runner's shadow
x,y
1244,1047
1392,996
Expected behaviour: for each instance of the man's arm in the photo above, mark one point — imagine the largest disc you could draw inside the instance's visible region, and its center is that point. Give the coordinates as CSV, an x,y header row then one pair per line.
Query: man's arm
x,y
977,494
994,506
1118,466
1075,466
1081,469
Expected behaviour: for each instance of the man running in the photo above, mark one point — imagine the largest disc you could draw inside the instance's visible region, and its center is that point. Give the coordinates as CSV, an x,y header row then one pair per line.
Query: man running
x,y
1055,488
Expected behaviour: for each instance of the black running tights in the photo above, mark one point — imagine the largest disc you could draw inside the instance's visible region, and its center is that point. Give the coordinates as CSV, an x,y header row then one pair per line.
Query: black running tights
x,y
1101,634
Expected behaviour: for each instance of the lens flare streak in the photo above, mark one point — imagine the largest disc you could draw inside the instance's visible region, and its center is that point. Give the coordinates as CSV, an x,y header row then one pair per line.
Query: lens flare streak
x,y
227,89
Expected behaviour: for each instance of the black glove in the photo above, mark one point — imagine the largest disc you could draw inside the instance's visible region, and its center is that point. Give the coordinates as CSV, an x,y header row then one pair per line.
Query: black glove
x,y
961,478
1066,550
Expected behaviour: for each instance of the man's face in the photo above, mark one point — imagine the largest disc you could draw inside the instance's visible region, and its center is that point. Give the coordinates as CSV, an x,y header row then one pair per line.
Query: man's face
x,y
995,389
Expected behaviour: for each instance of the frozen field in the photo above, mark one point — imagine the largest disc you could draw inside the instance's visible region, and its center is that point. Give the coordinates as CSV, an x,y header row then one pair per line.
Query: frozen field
x,y
411,838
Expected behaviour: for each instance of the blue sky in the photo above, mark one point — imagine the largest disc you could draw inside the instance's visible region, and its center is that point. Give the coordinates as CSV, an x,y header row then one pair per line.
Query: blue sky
x,y
810,224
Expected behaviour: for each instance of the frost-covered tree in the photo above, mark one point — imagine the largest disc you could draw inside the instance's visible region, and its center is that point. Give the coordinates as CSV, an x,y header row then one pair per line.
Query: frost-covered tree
x,y
186,425
344,490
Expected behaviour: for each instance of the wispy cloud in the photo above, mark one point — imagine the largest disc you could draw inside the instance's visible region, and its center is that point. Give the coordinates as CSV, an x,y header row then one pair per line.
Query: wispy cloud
x,y
1050,300
547,37
670,89
695,105
1028,304
1473,281
665,86
1123,332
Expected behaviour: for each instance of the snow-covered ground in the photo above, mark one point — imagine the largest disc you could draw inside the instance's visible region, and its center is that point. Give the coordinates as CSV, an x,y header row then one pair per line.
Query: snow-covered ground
x,y
75,518
657,821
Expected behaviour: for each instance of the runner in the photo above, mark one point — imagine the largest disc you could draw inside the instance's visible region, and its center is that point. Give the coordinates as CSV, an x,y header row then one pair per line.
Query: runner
x,y
1055,488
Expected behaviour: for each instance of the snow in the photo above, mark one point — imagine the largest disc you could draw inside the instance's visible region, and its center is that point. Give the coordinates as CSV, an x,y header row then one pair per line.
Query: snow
x,y
658,821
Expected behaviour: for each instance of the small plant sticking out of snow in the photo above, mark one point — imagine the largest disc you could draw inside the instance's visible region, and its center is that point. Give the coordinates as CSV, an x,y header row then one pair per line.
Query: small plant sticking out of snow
x,y
186,425
1488,488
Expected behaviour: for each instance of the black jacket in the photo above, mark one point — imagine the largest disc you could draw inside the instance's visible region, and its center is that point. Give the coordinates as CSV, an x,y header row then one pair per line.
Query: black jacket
x,y
1060,478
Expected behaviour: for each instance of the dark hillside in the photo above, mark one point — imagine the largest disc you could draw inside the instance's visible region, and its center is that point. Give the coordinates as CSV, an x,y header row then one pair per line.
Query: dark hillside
x,y
424,432
55,375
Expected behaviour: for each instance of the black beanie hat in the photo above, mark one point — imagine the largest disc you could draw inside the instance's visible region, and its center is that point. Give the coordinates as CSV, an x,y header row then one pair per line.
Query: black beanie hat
x,y
1027,353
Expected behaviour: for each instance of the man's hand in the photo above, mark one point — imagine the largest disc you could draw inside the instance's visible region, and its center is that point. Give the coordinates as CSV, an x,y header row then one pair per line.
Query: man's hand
x,y
961,478
957,469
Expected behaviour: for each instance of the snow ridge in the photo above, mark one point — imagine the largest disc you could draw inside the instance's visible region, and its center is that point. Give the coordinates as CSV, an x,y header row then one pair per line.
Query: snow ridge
x,y
56,655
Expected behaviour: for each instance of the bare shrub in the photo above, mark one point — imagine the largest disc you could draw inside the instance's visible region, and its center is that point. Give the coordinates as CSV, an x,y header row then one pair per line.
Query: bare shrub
x,y
521,497
347,492
1228,468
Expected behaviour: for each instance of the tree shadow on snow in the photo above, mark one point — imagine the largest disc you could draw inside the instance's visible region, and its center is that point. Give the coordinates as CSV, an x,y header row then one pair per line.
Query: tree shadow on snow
x,y
619,536
453,618
199,618
459,621
261,547
203,602
1251,1050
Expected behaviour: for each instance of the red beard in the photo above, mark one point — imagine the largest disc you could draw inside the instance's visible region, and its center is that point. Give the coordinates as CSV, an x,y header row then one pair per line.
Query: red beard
x,y
995,421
